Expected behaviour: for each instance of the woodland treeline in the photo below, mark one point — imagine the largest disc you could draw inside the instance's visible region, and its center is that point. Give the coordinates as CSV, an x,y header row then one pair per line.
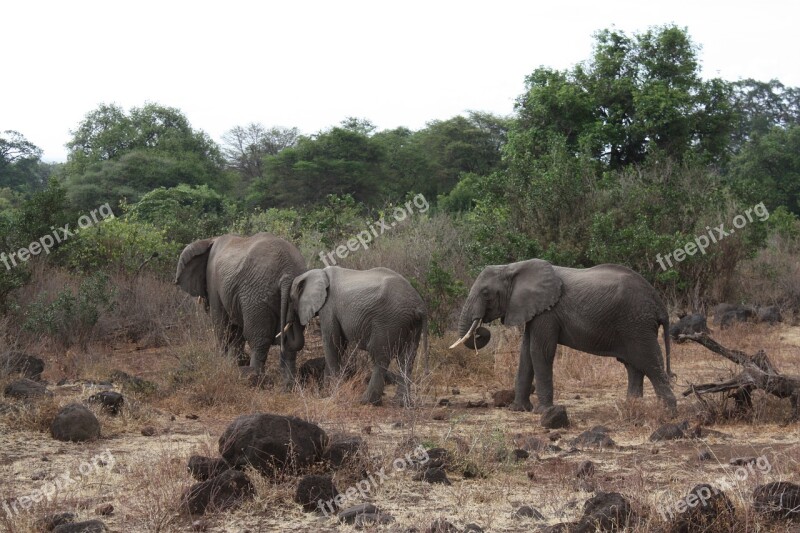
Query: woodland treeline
x,y
626,155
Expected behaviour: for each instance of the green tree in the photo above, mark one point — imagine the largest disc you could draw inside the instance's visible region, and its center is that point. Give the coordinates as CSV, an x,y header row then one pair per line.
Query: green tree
x,y
760,106
21,167
245,147
115,155
637,95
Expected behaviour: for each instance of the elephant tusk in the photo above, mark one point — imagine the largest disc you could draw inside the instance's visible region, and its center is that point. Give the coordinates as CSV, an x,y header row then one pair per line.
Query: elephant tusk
x,y
285,329
475,325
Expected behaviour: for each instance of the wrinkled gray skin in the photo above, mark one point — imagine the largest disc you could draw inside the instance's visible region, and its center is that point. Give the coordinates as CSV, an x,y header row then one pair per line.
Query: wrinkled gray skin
x,y
607,310
376,310
245,282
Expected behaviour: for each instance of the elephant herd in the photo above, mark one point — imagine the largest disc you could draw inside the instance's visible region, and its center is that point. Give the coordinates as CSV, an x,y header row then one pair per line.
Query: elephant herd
x,y
257,289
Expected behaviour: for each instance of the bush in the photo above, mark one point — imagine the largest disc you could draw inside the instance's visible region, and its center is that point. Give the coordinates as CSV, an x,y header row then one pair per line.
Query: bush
x,y
70,318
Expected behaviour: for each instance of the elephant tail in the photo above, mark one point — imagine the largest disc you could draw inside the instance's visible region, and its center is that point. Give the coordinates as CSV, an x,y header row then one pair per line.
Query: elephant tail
x,y
425,345
664,322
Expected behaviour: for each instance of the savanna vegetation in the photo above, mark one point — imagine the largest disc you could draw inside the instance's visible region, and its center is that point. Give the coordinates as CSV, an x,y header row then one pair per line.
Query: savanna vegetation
x,y
623,158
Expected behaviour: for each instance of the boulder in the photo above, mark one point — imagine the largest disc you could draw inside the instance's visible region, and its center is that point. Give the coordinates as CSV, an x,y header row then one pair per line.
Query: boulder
x,y
555,417
503,398
89,526
433,475
25,389
770,314
21,363
707,509
110,401
606,511
312,371
203,468
76,423
225,491
272,443
314,491
779,499
597,436
689,324
670,432
344,449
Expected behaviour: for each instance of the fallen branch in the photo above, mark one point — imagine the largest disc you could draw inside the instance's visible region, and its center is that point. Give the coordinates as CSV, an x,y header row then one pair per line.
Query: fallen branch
x,y
758,373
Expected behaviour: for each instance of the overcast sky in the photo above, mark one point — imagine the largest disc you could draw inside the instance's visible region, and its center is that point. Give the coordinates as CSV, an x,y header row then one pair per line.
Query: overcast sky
x,y
311,64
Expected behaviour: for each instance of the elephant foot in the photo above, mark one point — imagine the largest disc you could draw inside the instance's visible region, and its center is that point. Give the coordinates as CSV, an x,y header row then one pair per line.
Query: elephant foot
x,y
541,408
521,406
368,399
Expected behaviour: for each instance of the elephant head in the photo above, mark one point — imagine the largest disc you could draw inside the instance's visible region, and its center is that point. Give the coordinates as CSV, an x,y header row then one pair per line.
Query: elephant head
x,y
191,273
292,331
515,293
307,294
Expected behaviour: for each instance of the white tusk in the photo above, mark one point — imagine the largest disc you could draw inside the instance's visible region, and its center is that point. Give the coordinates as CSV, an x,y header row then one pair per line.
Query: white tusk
x,y
285,329
470,332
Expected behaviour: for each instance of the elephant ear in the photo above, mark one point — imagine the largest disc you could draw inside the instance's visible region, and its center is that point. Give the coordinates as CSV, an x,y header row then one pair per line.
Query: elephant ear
x,y
535,287
191,274
310,291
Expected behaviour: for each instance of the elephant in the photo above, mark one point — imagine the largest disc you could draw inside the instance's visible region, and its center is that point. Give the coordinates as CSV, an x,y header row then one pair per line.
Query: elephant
x,y
607,310
376,310
245,283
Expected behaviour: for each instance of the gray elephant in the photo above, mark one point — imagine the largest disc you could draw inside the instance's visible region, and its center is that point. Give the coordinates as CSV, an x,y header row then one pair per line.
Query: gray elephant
x,y
376,310
245,282
606,310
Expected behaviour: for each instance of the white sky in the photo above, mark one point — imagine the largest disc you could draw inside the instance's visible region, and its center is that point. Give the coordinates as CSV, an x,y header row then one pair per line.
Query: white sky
x,y
310,64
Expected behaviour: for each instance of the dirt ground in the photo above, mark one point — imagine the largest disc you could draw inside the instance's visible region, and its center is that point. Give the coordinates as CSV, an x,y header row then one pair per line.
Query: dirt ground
x,y
142,477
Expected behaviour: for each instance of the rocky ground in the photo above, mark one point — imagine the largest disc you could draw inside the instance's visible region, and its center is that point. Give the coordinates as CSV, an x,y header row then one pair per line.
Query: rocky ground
x,y
503,470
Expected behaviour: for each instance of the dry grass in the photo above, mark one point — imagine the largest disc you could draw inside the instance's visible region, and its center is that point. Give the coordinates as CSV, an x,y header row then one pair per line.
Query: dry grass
x,y
192,379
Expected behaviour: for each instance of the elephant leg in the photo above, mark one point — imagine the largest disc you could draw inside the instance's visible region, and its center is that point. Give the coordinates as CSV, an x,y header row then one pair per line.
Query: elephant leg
x,y
333,345
258,355
651,363
233,342
374,392
524,383
405,364
543,353
635,381
288,366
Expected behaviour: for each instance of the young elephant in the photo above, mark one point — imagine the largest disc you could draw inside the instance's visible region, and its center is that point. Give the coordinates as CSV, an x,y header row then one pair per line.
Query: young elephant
x,y
245,281
607,310
376,310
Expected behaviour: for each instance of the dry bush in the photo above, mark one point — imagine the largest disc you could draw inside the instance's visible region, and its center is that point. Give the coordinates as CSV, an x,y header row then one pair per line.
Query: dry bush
x,y
773,276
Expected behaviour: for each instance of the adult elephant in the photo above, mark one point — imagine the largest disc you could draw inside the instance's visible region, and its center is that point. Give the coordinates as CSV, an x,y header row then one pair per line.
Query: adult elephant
x,y
376,310
606,310
245,282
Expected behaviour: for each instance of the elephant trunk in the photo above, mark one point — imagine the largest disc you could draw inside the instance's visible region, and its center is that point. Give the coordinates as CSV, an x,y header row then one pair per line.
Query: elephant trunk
x,y
473,310
292,338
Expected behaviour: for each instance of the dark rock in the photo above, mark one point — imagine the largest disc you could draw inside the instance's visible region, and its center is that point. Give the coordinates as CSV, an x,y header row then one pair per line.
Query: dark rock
x,y
770,314
526,511
76,423
561,527
369,520
89,526
779,499
705,455
192,417
472,471
149,431
272,443
433,475
585,469
670,432
25,389
440,525
503,398
20,363
455,392
689,324
520,454
219,493
312,371
606,511
444,402
203,468
314,491
555,417
707,509
743,461
726,314
477,404
597,436
348,516
110,400
473,528
50,522
344,449
437,458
